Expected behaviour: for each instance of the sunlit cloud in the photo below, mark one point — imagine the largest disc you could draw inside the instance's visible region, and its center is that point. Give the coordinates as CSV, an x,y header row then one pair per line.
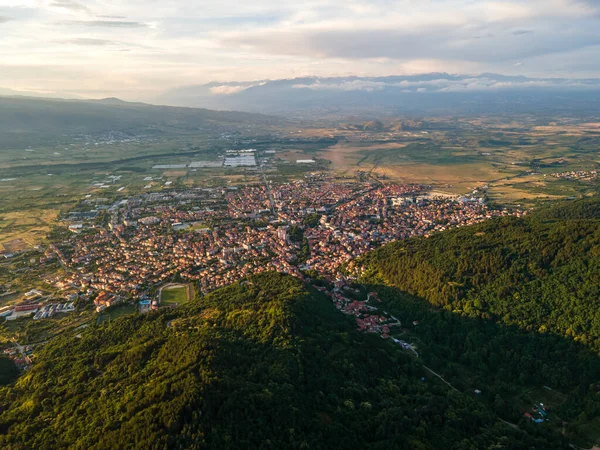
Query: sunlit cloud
x,y
106,23
227,90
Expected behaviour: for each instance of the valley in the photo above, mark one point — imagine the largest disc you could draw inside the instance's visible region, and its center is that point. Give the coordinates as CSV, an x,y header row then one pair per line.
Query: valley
x,y
104,233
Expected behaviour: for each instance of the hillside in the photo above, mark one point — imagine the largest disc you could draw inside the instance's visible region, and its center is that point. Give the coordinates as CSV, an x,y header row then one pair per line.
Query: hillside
x,y
261,364
541,273
509,307
37,118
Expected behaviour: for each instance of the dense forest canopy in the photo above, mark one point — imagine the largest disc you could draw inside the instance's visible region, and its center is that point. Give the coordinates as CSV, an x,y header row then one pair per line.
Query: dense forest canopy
x,y
8,371
540,273
260,364
511,306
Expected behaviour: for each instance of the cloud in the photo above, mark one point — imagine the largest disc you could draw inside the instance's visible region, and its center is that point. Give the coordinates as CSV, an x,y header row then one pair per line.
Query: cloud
x,y
175,43
107,23
89,42
441,85
435,41
69,5
348,86
228,90
482,32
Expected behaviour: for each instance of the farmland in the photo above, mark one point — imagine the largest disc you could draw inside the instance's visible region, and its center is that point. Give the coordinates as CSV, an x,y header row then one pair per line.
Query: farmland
x,y
512,161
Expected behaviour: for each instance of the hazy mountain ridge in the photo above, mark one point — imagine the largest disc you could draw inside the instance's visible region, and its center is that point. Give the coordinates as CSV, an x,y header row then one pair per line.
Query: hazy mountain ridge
x,y
118,114
434,93
43,118
4,91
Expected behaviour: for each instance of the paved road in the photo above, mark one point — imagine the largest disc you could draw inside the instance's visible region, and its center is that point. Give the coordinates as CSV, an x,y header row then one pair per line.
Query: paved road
x,y
268,187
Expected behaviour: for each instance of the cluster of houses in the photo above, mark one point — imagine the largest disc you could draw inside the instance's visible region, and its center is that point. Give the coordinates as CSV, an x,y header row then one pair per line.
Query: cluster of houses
x,y
21,356
369,318
106,300
538,414
577,175
216,236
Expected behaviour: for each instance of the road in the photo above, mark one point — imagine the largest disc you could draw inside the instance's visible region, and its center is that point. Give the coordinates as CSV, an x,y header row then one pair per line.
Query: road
x,y
440,377
268,188
513,425
353,197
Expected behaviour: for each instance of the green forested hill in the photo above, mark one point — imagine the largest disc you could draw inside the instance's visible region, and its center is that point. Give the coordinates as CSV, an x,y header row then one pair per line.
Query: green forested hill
x,y
509,307
259,364
540,273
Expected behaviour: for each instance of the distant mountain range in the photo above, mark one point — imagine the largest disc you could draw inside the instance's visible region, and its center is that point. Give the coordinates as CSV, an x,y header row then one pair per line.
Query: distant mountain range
x,y
314,97
434,93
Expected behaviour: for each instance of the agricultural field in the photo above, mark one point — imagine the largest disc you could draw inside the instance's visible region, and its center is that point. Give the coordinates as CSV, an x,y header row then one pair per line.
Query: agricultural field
x,y
36,191
512,161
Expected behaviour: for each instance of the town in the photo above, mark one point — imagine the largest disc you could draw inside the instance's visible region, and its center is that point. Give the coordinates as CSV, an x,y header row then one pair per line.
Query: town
x,y
215,236
127,251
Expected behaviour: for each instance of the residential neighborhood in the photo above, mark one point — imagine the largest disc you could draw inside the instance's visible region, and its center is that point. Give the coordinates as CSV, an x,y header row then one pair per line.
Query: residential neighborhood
x,y
215,236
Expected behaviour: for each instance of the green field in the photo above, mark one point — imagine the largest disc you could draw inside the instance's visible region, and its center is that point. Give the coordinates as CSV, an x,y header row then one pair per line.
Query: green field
x,y
175,295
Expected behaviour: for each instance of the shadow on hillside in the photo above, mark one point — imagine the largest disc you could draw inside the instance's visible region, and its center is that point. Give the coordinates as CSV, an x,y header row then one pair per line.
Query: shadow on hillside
x,y
503,362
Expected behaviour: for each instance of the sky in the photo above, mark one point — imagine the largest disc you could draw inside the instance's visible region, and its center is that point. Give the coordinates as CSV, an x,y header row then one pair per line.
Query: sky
x,y
137,49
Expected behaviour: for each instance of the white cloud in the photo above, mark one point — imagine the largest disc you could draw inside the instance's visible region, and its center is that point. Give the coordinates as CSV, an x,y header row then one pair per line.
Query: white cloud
x,y
227,90
355,85
452,84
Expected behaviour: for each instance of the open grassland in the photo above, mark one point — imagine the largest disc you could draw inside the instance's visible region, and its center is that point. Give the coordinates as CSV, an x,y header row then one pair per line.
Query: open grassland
x,y
20,230
124,309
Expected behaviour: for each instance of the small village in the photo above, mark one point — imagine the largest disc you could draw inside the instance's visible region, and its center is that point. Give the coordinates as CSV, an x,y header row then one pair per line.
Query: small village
x,y
581,175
